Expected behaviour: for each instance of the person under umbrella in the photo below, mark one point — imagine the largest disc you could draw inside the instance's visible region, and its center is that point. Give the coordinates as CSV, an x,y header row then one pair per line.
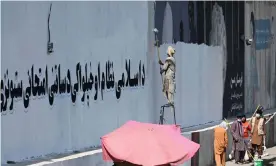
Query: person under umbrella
x,y
147,144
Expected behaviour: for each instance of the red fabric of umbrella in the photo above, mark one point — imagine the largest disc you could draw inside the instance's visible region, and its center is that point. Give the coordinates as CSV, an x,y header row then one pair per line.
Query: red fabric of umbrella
x,y
148,144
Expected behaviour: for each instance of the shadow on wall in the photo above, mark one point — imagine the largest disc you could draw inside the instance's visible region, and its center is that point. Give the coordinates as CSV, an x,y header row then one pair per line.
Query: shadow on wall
x,y
207,22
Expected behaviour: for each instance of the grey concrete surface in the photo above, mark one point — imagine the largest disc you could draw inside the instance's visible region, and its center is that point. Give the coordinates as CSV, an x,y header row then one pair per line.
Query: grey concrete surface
x,y
269,160
213,123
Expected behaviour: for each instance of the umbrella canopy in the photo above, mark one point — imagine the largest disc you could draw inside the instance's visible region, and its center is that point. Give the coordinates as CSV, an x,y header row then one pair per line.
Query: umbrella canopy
x,y
148,144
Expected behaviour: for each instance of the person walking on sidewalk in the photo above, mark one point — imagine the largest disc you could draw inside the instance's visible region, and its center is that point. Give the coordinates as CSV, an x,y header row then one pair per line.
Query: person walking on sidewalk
x,y
220,143
238,145
258,133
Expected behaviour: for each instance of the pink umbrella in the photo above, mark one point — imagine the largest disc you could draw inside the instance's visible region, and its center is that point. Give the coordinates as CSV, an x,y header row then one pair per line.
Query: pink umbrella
x,y
148,145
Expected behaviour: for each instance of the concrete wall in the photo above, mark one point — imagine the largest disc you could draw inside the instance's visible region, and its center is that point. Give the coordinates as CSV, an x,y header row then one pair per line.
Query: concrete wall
x,y
260,57
93,158
88,37
60,102
205,155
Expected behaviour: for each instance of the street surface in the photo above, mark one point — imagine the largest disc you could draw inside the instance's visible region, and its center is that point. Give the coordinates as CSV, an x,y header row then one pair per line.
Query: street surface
x,y
269,160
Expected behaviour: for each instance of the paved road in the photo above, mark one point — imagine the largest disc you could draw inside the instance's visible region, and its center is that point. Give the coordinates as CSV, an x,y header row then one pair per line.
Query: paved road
x,y
269,160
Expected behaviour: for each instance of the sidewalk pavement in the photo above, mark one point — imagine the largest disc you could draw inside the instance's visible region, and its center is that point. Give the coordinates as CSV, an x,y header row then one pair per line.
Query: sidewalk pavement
x,y
269,160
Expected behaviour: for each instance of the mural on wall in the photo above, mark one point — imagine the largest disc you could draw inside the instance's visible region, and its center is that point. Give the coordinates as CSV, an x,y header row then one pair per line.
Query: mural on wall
x,y
218,33
221,20
167,33
12,90
176,21
261,56
212,23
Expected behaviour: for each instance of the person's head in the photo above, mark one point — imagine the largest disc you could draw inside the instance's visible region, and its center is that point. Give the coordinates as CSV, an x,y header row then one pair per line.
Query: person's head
x,y
243,118
223,124
259,112
239,117
170,51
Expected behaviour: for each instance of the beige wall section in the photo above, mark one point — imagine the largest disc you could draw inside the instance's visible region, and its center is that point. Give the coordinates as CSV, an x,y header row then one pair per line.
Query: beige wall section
x,y
260,83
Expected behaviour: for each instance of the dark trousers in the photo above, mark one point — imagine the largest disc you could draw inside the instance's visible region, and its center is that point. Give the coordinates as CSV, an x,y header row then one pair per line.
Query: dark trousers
x,y
239,155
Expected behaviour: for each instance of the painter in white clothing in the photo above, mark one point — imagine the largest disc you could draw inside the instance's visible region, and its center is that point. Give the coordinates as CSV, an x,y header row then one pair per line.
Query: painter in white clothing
x,y
168,68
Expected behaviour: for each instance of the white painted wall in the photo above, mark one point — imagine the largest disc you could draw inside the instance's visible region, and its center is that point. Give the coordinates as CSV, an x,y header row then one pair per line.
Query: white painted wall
x,y
84,32
81,32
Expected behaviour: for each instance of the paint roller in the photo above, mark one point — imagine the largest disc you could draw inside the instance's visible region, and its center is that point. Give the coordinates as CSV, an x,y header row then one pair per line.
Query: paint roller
x,y
155,30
